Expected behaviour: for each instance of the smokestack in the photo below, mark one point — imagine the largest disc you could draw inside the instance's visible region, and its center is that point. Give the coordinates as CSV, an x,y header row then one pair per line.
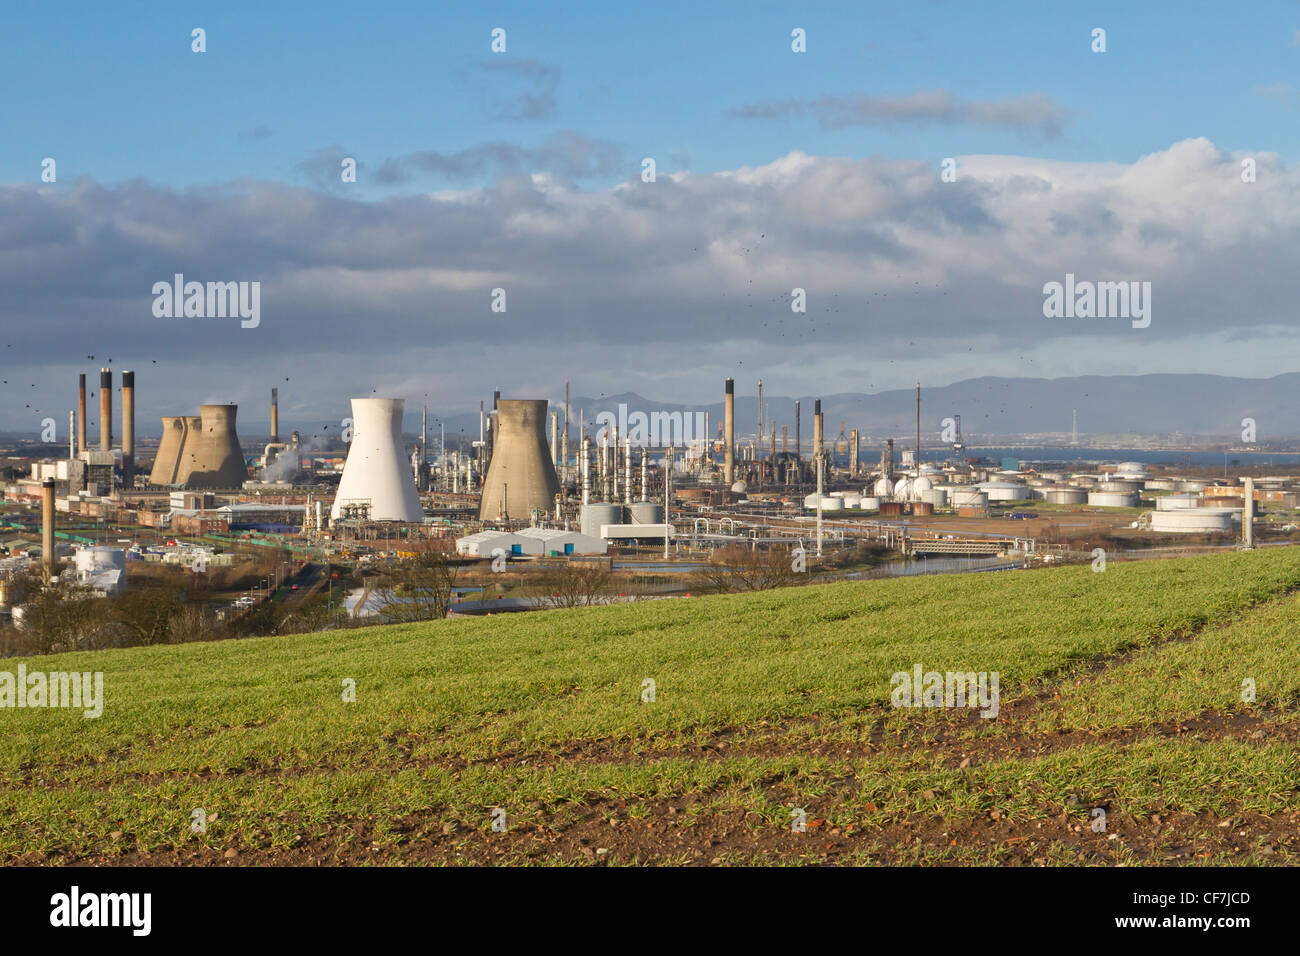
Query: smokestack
x,y
275,415
555,440
627,472
128,430
918,428
47,531
817,428
1248,514
729,461
81,416
564,439
105,409
586,470
798,440
853,453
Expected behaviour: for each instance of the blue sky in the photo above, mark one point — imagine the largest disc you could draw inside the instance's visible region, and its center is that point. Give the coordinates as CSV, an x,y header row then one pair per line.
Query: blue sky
x,y
112,91
521,171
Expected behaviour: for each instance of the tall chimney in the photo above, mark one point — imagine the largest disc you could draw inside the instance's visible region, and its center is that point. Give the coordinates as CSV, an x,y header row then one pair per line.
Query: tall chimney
x,y
918,428
275,415
729,460
128,430
853,453
798,440
817,429
1248,513
105,409
81,416
47,531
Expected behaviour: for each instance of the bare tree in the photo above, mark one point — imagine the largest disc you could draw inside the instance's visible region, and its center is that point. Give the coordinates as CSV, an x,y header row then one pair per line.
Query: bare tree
x,y
417,589
745,569
574,584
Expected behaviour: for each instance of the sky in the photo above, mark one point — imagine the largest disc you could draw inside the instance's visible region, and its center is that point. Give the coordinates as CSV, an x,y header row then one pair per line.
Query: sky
x,y
524,171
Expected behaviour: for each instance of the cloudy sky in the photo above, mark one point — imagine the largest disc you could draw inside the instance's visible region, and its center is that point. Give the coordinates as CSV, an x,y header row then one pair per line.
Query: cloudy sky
x,y
523,170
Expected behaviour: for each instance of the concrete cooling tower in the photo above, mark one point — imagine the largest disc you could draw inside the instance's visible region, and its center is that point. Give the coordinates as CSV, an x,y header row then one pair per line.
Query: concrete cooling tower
x,y
212,458
377,477
520,477
168,459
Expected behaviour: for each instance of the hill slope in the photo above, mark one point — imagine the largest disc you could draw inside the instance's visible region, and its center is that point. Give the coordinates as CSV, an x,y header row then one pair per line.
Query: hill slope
x,y
1119,690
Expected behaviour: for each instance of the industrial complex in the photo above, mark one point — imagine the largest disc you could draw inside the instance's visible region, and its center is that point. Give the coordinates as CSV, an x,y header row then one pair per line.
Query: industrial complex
x,y
618,491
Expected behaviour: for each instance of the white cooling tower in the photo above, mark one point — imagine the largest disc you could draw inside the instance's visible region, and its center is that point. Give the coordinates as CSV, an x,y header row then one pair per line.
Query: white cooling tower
x,y
377,474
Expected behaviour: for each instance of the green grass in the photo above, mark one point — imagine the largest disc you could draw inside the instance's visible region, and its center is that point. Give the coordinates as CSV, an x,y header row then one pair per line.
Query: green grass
x,y
257,730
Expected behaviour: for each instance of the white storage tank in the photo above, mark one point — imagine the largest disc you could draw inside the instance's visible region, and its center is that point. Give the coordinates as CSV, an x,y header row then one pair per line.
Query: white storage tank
x,y
969,498
919,487
1112,499
852,499
1179,502
1065,495
938,497
1193,520
1004,490
870,503
1118,484
593,517
884,488
902,489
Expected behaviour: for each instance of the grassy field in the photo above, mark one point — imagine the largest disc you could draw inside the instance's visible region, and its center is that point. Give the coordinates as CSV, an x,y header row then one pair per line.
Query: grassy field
x,y
1120,691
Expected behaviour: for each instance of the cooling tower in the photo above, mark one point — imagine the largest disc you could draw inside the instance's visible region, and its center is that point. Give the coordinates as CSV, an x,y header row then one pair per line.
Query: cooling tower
x,y
376,473
520,476
168,459
212,458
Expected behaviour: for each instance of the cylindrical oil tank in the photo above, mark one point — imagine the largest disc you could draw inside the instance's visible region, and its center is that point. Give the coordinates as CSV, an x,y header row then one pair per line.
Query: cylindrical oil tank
x,y
1192,487
869,503
1112,499
852,499
832,504
646,512
1222,501
1118,484
1065,496
1178,502
1004,490
935,497
1161,484
1192,520
969,498
891,508
921,508
595,515
1052,477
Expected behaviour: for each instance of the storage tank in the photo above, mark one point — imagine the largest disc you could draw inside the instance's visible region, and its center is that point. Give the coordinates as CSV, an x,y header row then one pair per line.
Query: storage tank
x,y
1192,487
1179,502
593,516
870,503
1161,484
1065,495
520,478
922,508
375,476
1004,490
1118,484
902,489
1112,499
1131,469
1192,520
935,497
646,512
884,488
969,498
919,487
852,499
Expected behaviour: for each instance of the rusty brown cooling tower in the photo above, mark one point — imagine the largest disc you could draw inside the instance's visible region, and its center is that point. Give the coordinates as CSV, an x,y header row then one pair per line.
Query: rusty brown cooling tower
x,y
520,477
167,462
81,415
105,409
212,458
128,430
